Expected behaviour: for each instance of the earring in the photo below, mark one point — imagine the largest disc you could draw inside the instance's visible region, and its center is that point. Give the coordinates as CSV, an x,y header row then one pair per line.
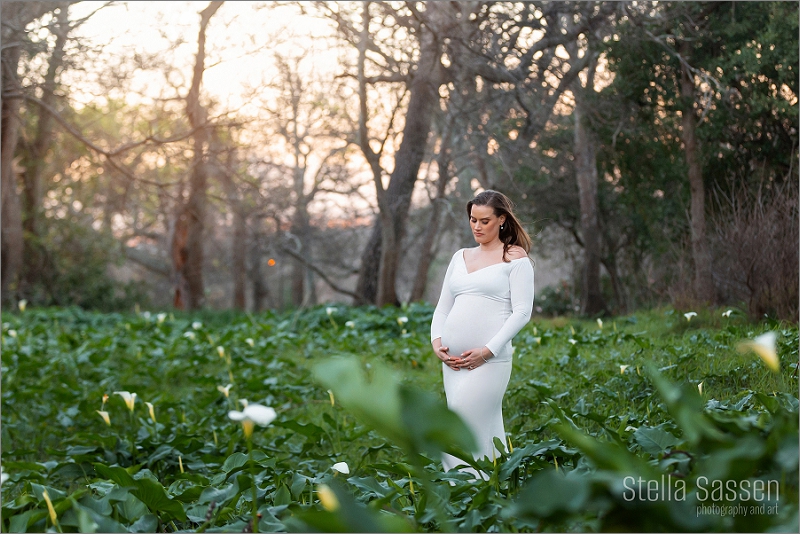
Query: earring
x,y
501,226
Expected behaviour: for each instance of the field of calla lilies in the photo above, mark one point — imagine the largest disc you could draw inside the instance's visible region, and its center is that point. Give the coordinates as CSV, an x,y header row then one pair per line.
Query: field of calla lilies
x,y
333,419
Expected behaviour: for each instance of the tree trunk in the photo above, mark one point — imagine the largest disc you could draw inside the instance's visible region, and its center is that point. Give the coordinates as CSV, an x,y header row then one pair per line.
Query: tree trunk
x,y
703,281
367,283
300,232
239,244
16,16
190,274
239,259
586,173
36,157
260,291
616,284
424,95
426,252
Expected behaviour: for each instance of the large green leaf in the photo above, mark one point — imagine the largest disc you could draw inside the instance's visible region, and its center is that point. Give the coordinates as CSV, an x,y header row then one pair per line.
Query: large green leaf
x,y
549,492
150,492
654,440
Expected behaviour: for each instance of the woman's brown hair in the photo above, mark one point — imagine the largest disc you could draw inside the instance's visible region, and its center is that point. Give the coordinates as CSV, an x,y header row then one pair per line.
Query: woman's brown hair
x,y
511,231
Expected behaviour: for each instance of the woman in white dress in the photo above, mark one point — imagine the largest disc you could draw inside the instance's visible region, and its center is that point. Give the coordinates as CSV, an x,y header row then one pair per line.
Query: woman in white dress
x,y
487,297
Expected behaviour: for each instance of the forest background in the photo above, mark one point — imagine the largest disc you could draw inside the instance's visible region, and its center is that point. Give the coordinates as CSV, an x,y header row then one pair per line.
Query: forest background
x,y
257,155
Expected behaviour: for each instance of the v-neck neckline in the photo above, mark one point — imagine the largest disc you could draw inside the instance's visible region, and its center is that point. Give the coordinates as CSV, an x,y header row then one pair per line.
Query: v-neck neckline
x,y
466,269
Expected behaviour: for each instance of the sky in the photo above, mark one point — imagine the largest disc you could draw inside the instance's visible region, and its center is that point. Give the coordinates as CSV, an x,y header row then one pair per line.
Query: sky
x,y
241,39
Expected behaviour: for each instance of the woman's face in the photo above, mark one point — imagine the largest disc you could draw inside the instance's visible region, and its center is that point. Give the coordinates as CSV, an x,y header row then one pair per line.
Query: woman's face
x,y
485,224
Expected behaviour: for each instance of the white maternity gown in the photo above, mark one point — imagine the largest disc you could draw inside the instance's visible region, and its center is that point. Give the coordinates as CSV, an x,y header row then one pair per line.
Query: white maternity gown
x,y
484,308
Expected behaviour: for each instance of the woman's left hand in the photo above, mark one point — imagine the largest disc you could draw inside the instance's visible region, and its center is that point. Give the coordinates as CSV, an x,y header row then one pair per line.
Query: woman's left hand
x,y
474,358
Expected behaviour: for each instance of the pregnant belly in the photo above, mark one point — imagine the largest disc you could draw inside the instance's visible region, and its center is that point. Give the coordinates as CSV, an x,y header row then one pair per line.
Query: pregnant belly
x,y
471,323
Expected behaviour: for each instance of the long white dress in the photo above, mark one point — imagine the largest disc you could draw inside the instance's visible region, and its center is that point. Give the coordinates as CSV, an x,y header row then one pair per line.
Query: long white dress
x,y
484,308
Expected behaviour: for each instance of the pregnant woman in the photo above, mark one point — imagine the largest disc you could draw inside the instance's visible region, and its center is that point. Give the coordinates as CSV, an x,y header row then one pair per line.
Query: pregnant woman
x,y
486,299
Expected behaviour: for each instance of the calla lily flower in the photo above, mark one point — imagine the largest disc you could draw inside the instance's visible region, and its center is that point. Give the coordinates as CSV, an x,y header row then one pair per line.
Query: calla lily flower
x,y
151,410
197,325
50,509
105,416
727,313
622,369
161,317
22,305
225,390
341,467
129,398
221,351
700,388
253,414
572,341
327,498
689,315
599,323
250,341
350,324
244,402
12,333
330,394
764,346
189,335
330,310
538,340
402,320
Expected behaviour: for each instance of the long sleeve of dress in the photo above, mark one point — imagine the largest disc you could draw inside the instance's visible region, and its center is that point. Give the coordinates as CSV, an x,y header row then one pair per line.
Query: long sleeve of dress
x,y
445,304
521,288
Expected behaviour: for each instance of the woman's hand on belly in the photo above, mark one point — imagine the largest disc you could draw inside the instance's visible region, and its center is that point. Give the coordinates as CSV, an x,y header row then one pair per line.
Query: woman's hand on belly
x,y
442,353
474,358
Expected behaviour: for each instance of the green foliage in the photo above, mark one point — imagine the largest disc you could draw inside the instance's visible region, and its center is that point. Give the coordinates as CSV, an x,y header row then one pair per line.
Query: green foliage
x,y
579,424
75,262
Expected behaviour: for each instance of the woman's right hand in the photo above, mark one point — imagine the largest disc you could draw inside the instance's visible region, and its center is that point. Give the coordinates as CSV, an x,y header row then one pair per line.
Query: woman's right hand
x,y
442,354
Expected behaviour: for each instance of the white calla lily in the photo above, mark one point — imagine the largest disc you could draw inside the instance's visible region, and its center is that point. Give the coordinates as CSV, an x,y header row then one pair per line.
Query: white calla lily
x,y
253,414
402,320
622,369
129,398
161,317
22,305
599,323
151,410
350,324
250,341
225,390
197,325
327,498
764,346
689,315
105,416
341,467
330,310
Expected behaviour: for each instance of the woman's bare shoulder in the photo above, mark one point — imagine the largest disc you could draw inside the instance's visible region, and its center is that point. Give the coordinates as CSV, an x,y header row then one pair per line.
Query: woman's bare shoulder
x,y
516,252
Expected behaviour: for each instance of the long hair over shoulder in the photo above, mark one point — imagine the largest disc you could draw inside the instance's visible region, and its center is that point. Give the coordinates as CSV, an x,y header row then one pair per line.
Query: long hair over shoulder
x,y
512,232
